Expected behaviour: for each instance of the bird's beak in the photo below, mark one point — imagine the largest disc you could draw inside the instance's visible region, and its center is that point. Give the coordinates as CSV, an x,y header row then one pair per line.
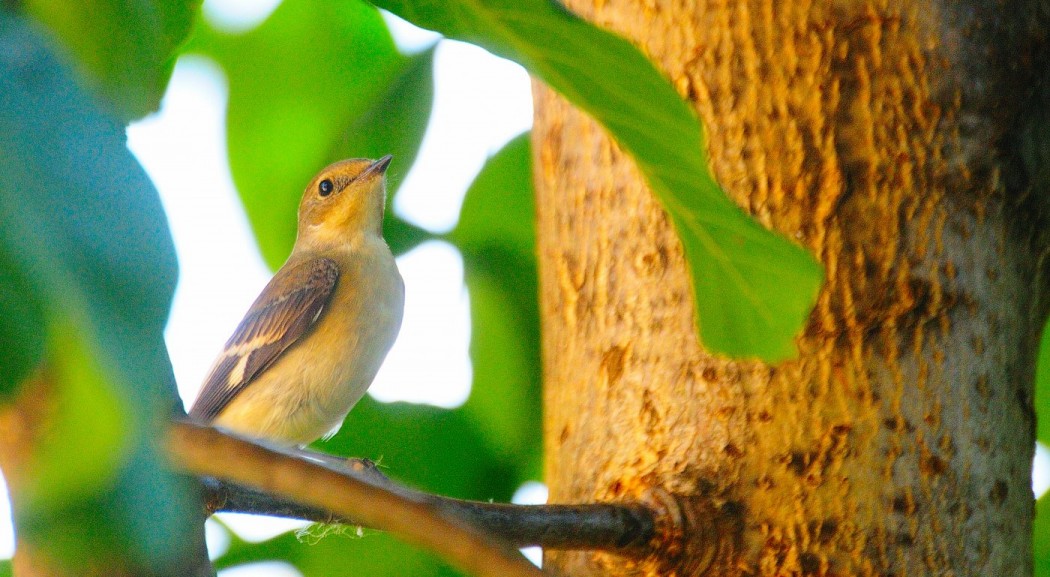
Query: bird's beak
x,y
379,166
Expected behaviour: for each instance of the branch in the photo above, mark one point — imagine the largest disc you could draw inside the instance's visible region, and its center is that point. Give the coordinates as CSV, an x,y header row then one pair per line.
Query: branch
x,y
205,451
623,529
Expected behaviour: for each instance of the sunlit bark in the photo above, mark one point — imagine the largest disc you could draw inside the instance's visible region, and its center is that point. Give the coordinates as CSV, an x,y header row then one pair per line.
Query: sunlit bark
x,y
902,144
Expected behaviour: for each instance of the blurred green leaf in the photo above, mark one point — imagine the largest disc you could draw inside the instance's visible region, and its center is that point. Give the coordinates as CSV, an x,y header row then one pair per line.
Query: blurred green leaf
x,y
395,121
429,448
1042,389
316,82
1041,536
89,437
505,399
753,288
342,553
22,329
126,47
84,231
402,236
395,125
5,568
496,234
499,206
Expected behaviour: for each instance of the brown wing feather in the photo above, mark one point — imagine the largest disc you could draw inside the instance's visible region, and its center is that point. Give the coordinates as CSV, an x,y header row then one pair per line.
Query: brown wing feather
x,y
277,319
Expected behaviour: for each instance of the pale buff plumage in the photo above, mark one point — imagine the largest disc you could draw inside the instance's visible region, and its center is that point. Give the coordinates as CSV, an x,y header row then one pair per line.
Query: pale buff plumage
x,y
311,344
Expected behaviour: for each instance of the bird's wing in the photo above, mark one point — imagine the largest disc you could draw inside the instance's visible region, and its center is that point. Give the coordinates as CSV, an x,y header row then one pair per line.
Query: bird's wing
x,y
276,320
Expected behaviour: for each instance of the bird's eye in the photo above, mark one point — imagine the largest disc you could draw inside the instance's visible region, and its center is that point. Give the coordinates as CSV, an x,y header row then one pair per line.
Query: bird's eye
x,y
325,188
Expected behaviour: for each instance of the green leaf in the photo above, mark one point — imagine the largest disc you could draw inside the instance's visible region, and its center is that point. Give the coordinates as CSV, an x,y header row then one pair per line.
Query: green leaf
x,y
496,234
85,234
1042,389
499,206
89,438
342,553
1041,536
753,288
316,82
22,329
395,125
505,399
432,449
126,47
395,121
402,236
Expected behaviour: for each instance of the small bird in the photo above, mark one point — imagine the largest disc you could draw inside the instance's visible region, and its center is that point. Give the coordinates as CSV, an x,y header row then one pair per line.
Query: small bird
x,y
310,345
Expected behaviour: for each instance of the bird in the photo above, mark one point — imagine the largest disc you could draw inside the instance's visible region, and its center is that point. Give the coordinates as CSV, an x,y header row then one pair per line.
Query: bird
x,y
312,342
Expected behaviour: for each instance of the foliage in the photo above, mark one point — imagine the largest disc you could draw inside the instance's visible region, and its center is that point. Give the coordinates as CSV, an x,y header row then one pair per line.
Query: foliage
x,y
1041,536
126,50
436,449
1042,389
496,234
88,271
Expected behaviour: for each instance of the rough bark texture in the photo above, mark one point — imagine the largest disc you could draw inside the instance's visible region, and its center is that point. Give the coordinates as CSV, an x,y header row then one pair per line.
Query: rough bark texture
x,y
893,140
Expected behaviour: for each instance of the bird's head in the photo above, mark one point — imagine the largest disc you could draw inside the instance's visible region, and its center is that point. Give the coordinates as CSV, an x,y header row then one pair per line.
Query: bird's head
x,y
343,200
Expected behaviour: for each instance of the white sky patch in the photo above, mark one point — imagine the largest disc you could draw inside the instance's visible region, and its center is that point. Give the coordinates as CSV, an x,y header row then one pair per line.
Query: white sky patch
x,y
267,568
480,102
409,38
217,539
7,529
1041,470
258,528
430,361
237,16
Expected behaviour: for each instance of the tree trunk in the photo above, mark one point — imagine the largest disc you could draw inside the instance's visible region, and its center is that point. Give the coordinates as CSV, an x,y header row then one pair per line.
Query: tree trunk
x,y
902,145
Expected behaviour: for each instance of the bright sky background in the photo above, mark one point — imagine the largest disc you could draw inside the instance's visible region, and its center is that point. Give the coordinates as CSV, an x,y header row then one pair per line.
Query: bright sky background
x,y
480,103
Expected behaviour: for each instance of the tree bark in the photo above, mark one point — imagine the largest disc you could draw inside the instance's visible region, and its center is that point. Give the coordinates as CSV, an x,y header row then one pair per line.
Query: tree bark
x,y
902,144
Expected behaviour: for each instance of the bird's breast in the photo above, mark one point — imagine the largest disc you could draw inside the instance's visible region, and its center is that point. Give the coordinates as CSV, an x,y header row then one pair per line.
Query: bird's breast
x,y
323,376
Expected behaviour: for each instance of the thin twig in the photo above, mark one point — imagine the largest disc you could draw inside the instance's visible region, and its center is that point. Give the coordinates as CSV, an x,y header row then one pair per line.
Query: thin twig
x,y
205,451
624,529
